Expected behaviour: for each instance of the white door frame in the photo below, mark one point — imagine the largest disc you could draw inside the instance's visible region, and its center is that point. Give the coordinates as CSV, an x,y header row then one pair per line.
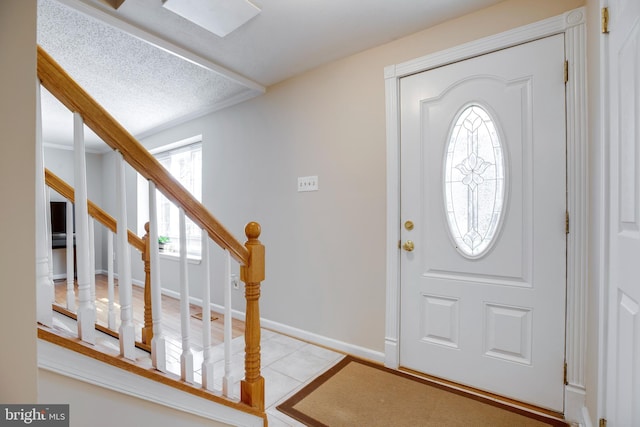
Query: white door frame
x,y
573,25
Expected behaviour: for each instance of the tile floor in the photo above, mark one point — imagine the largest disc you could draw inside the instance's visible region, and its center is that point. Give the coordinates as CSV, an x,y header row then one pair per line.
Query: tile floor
x,y
288,365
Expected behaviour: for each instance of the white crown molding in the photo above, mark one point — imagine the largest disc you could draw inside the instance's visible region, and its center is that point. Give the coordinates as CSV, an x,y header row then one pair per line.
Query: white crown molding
x,y
111,18
241,97
70,148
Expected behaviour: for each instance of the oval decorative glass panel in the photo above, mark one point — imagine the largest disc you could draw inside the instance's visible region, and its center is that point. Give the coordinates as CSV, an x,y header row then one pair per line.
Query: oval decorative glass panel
x,y
474,181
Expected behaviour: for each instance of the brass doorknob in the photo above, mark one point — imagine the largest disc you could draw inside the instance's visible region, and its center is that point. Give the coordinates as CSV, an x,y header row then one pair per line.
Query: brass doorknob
x,y
408,246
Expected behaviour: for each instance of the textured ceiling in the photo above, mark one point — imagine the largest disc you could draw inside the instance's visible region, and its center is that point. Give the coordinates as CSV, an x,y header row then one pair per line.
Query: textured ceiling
x,y
151,68
142,86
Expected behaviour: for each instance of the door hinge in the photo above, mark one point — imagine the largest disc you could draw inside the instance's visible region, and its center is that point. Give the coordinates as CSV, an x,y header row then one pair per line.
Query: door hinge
x,y
566,71
566,222
604,16
602,422
565,380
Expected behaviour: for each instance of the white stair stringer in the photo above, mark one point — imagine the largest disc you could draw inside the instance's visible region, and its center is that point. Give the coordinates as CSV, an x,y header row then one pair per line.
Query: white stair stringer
x,y
69,363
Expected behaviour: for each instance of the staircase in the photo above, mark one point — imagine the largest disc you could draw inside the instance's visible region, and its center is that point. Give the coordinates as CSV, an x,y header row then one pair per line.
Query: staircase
x,y
69,349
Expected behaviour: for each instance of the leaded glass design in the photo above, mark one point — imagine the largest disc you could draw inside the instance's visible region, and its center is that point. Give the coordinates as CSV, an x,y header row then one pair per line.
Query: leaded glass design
x,y
474,181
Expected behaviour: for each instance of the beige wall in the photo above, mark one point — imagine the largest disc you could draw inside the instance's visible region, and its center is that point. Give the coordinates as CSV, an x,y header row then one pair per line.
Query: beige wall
x,y
326,253
326,249
18,373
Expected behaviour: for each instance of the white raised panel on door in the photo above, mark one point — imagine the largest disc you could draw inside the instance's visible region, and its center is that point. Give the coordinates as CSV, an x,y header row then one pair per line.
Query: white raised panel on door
x,y
509,263
439,321
508,333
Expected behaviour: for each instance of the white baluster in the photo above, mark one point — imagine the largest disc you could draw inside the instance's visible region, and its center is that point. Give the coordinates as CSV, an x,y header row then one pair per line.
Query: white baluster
x,y
92,259
126,331
207,362
227,380
44,286
50,241
158,344
111,317
186,358
86,309
71,291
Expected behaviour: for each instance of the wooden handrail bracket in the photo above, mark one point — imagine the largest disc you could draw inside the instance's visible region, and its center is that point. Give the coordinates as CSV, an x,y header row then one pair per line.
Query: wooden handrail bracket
x,y
67,91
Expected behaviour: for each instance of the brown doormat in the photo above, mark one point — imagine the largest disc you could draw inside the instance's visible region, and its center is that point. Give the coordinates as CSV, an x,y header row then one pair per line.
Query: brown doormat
x,y
359,393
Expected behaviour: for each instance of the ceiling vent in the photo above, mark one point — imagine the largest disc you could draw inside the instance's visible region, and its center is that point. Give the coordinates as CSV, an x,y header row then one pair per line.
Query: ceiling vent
x,y
220,17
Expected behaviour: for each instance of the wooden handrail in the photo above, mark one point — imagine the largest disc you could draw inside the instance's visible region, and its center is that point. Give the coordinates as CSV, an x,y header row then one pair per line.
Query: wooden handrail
x,y
67,91
250,256
66,191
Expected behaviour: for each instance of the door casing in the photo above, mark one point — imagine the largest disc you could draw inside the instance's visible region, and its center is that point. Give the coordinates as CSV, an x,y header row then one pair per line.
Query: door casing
x,y
573,25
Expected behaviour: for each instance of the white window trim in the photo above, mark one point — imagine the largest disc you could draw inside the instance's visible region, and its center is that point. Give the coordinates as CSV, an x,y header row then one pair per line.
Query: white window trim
x,y
143,201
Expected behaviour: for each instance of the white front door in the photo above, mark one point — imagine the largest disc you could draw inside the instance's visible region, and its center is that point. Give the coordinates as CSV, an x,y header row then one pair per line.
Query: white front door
x,y
623,372
483,205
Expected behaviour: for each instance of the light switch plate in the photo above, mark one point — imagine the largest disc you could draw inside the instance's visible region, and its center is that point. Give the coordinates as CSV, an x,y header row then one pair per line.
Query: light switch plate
x,y
308,183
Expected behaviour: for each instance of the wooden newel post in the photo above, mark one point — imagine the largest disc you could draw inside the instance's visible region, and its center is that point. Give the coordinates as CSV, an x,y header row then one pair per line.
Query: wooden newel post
x,y
147,329
252,387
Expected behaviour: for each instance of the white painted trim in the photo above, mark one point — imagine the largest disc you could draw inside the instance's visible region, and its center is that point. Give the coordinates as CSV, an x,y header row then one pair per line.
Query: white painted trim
x,y
113,19
241,97
574,404
586,418
578,208
134,282
175,257
600,223
572,24
341,346
392,322
175,145
65,362
70,148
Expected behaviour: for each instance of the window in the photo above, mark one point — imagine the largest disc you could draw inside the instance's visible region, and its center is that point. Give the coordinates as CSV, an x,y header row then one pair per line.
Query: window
x,y
185,164
474,181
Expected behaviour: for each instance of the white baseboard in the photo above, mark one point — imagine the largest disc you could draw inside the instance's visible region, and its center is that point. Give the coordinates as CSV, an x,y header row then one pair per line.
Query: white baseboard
x,y
135,282
586,418
575,398
341,346
344,347
311,337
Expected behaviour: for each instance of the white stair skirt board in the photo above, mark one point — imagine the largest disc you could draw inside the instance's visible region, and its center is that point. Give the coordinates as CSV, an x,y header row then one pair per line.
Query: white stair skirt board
x,y
71,364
